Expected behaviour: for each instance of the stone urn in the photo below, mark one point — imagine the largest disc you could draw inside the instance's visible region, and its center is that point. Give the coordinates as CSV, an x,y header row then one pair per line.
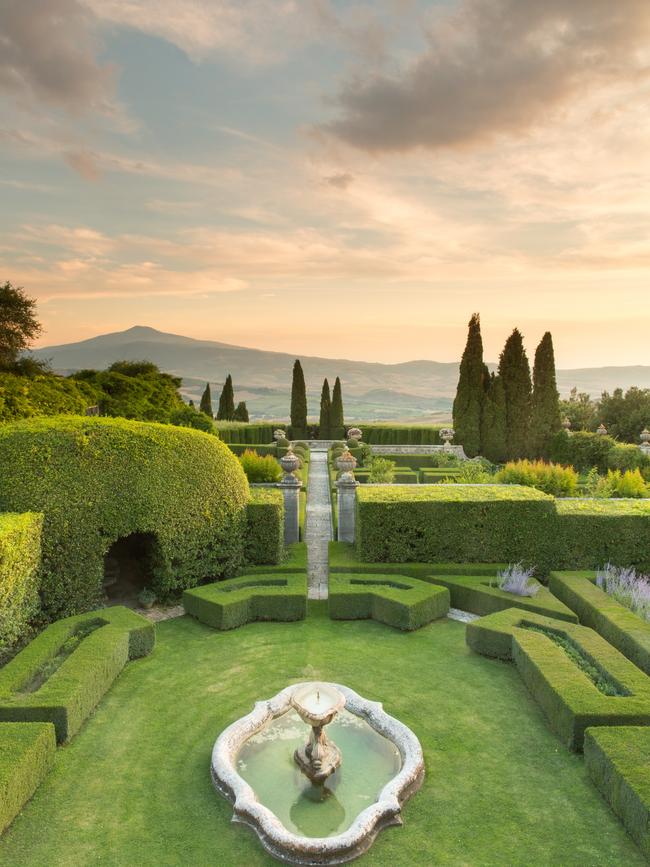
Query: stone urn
x,y
645,436
602,430
447,435
354,434
290,462
566,424
279,434
346,464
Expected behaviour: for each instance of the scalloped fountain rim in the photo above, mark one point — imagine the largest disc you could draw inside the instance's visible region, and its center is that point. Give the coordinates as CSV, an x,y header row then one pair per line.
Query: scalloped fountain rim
x,y
274,836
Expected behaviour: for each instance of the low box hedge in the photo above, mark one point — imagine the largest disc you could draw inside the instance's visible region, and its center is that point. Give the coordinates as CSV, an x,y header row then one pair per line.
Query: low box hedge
x,y
344,558
232,603
618,762
480,595
570,699
26,755
617,624
294,559
264,542
261,449
395,600
20,556
400,434
62,674
593,532
249,433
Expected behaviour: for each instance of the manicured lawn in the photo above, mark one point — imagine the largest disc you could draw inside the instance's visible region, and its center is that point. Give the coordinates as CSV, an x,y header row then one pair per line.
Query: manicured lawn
x,y
134,788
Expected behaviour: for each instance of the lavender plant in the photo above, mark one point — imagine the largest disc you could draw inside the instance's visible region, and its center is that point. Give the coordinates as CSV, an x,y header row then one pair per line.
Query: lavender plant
x,y
628,588
515,579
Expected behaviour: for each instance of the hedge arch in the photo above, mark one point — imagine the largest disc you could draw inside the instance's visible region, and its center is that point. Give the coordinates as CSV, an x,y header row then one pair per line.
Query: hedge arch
x,y
98,479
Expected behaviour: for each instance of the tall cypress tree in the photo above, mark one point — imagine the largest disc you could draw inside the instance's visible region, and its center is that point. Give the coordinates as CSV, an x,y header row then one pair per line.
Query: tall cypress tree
x,y
206,401
226,411
324,432
493,421
545,420
298,403
241,412
337,423
514,371
469,392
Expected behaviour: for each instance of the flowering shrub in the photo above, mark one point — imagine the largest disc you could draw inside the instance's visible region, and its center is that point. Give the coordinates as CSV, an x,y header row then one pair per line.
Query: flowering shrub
x,y
260,468
553,479
515,579
626,587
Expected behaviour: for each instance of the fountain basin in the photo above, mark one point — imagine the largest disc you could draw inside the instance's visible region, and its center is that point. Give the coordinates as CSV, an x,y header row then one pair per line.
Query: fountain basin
x,y
328,824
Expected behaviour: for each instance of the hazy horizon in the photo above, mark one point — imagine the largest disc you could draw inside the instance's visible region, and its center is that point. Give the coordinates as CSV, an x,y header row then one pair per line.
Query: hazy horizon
x,y
333,178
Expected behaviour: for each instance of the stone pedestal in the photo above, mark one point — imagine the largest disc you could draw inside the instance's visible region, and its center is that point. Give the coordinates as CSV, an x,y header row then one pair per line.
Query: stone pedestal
x,y
347,506
290,487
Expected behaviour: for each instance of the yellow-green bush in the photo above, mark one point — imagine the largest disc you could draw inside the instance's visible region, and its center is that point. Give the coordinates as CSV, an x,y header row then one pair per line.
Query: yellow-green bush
x,y
550,478
20,554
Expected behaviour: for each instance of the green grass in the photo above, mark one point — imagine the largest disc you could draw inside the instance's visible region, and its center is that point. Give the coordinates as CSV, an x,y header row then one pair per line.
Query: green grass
x,y
134,786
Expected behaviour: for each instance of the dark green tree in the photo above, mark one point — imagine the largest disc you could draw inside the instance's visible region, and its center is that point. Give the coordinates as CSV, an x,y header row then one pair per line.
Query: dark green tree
x,y
514,371
298,403
625,415
545,413
337,422
493,421
469,392
241,411
581,410
206,401
324,431
226,411
18,323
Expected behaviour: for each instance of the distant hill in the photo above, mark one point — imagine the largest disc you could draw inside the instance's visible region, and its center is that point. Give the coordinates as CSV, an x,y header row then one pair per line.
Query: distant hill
x,y
410,390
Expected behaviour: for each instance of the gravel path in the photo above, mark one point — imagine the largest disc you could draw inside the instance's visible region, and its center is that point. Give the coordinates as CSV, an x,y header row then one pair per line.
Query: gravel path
x,y
318,529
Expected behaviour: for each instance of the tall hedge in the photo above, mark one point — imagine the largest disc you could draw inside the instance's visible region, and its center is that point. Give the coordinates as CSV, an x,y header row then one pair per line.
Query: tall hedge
x,y
96,480
469,392
265,520
20,554
379,434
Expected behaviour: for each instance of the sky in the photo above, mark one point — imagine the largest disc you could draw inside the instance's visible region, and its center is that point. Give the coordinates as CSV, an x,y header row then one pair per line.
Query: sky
x,y
346,179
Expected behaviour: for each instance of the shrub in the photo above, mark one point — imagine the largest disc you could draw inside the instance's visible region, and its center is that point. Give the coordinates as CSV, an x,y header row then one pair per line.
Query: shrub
x,y
582,450
625,456
472,473
265,535
381,471
618,762
229,604
43,394
395,600
553,479
515,579
628,588
190,417
20,554
282,443
260,468
26,755
97,480
629,484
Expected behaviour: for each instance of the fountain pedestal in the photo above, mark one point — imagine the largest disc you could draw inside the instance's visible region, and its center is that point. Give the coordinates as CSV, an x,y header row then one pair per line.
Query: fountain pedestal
x,y
318,704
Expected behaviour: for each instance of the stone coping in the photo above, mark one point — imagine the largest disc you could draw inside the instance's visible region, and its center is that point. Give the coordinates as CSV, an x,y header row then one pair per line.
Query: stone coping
x,y
274,836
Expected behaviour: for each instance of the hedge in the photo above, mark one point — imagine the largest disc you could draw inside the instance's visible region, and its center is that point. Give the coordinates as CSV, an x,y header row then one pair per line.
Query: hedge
x,y
20,555
461,523
399,435
571,702
265,523
26,755
400,477
395,600
504,523
252,434
618,762
417,462
294,559
343,558
475,593
229,604
617,624
99,479
239,449
61,676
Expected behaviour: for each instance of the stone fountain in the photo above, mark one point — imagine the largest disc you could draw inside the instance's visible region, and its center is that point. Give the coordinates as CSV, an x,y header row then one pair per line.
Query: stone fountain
x,y
317,704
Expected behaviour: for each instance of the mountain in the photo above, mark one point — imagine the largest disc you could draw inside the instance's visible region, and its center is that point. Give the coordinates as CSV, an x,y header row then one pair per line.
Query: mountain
x,y
422,390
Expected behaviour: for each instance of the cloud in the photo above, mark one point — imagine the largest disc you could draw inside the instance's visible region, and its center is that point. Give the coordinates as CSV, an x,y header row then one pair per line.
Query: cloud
x,y
340,180
85,163
494,67
48,54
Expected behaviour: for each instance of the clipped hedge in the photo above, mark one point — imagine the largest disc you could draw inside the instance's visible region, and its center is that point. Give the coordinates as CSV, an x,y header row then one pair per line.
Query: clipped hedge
x,y
456,523
240,448
618,762
20,555
617,624
294,559
570,700
265,526
344,558
61,676
395,600
243,432
26,755
99,479
400,434
481,595
229,604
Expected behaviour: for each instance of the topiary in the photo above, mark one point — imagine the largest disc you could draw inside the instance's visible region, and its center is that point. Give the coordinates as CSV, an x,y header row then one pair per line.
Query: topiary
x,y
97,480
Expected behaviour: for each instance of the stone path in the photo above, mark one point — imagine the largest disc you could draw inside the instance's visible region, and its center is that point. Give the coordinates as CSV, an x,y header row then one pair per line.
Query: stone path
x,y
318,527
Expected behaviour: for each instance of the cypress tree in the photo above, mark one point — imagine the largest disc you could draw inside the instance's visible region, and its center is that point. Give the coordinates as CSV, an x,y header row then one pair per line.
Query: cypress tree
x,y
298,403
206,401
191,403
324,432
514,371
337,423
226,411
545,419
493,421
241,412
469,392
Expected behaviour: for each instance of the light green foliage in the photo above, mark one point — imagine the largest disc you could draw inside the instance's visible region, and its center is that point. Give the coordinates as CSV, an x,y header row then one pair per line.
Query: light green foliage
x,y
628,484
96,480
551,478
545,416
472,473
190,417
43,394
382,470
265,526
469,392
26,755
20,555
260,468
514,372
